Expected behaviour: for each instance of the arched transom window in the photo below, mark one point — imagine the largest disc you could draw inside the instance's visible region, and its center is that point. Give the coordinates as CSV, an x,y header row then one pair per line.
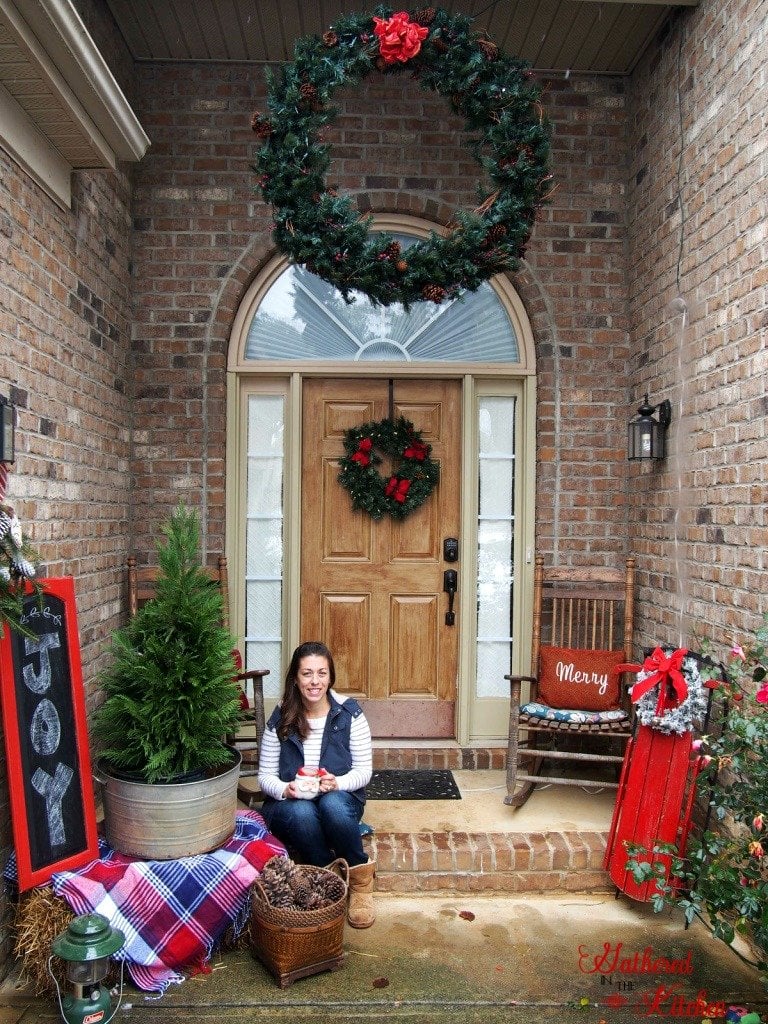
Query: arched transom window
x,y
302,317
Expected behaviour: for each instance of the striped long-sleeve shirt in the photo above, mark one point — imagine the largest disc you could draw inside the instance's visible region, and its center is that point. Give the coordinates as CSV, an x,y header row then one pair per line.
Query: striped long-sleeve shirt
x,y
358,776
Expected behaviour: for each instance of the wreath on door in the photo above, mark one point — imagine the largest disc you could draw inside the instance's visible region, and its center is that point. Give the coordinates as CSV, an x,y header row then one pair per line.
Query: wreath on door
x,y
413,476
500,104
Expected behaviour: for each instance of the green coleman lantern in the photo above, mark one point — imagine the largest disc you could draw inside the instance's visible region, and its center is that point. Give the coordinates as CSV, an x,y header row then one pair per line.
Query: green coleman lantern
x,y
86,947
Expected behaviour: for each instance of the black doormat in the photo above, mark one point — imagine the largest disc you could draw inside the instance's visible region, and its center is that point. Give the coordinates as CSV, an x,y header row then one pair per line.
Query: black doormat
x,y
420,784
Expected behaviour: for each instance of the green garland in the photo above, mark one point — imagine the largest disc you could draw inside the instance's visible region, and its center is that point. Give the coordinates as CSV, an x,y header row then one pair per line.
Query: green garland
x,y
414,473
500,105
16,572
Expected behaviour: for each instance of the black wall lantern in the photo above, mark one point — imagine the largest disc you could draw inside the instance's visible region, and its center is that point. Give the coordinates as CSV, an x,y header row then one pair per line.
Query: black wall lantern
x,y
7,430
646,436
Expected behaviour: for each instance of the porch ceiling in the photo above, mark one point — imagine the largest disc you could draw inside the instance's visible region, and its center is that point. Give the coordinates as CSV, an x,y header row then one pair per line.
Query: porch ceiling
x,y
553,35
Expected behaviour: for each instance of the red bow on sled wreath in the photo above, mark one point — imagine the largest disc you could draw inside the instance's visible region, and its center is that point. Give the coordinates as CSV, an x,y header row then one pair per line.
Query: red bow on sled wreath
x,y
661,669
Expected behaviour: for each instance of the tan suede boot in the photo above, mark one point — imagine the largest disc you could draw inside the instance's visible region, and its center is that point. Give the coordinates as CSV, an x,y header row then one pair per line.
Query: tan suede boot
x,y
360,912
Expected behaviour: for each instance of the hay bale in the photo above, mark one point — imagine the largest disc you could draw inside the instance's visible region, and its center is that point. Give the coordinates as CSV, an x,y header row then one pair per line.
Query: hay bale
x,y
41,915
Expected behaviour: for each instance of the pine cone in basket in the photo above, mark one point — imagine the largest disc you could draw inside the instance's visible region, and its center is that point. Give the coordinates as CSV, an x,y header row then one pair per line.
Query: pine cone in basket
x,y
276,882
314,902
301,889
330,887
290,886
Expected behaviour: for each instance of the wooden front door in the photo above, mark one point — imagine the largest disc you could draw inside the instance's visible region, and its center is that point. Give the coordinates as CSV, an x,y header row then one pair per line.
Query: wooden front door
x,y
373,591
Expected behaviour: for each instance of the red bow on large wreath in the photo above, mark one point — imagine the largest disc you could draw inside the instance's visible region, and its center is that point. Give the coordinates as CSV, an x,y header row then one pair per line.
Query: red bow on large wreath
x,y
662,669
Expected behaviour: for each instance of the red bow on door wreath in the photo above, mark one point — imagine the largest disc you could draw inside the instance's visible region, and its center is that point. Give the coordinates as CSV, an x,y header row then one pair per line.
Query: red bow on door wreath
x,y
414,472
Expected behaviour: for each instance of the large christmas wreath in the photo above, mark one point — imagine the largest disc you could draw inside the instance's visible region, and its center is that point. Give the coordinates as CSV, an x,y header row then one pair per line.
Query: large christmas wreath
x,y
500,104
413,476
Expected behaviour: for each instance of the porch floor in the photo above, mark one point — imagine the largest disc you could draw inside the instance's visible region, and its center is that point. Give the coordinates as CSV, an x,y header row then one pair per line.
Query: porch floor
x,y
498,939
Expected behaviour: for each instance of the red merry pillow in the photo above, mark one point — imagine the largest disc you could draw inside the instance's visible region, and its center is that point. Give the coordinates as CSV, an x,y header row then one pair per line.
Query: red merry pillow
x,y
583,679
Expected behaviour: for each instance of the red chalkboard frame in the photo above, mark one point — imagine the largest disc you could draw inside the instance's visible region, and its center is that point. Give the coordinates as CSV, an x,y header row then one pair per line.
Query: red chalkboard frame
x,y
31,871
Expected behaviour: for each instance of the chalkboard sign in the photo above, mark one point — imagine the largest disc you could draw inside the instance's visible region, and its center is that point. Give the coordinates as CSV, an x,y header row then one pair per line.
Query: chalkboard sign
x,y
46,740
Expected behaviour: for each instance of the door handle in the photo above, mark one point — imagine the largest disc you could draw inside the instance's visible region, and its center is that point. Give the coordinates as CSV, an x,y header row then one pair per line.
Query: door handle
x,y
450,584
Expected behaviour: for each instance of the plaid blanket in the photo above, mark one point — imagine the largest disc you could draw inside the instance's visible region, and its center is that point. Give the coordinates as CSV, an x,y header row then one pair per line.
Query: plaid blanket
x,y
172,913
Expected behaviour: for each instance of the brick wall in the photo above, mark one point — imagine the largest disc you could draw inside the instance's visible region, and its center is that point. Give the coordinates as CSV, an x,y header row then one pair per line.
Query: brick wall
x,y
64,362
64,325
202,234
697,209
582,341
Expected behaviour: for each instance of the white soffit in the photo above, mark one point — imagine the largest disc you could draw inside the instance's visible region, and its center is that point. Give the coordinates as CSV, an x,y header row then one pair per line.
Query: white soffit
x,y
593,37
60,106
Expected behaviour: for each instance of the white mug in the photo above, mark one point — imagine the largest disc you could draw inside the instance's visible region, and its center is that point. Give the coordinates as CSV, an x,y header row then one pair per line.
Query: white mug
x,y
307,783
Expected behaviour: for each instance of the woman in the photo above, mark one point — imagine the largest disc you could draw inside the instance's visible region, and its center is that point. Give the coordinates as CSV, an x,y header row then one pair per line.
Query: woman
x,y
314,727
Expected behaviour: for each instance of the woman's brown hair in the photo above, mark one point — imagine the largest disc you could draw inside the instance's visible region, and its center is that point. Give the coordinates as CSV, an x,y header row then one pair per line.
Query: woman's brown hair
x,y
292,715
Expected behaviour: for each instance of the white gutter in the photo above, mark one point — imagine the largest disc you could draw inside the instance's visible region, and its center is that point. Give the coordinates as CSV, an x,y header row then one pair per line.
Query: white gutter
x,y
73,53
96,127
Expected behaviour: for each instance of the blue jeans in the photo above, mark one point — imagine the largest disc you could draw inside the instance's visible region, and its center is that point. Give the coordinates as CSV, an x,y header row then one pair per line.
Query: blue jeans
x,y
317,831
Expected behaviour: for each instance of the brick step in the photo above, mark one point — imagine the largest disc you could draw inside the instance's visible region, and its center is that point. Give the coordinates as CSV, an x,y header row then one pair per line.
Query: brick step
x,y
453,861
514,862
560,860
396,754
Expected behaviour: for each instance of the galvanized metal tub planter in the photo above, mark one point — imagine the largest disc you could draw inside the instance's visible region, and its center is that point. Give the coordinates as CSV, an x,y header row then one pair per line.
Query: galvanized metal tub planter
x,y
169,820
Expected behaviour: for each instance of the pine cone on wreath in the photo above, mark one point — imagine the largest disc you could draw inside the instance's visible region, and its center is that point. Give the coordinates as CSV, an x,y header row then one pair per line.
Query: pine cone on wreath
x,y
433,293
330,38
489,48
261,125
494,235
425,16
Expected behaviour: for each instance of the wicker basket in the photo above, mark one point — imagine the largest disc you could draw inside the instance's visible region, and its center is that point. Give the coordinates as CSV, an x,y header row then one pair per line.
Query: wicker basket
x,y
297,943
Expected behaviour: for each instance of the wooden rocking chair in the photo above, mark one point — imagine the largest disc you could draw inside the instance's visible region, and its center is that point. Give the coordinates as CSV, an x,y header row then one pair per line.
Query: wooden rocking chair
x,y
582,629
141,587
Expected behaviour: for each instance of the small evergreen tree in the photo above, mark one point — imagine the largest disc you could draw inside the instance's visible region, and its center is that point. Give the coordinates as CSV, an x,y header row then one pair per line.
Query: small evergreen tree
x,y
170,697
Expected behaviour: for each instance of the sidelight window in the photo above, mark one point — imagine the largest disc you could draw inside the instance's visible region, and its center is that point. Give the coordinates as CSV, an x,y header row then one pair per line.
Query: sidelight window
x,y
264,562
495,543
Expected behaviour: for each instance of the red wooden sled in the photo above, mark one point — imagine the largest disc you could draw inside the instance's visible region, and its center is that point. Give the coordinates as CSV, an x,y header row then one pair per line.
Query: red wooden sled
x,y
653,805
